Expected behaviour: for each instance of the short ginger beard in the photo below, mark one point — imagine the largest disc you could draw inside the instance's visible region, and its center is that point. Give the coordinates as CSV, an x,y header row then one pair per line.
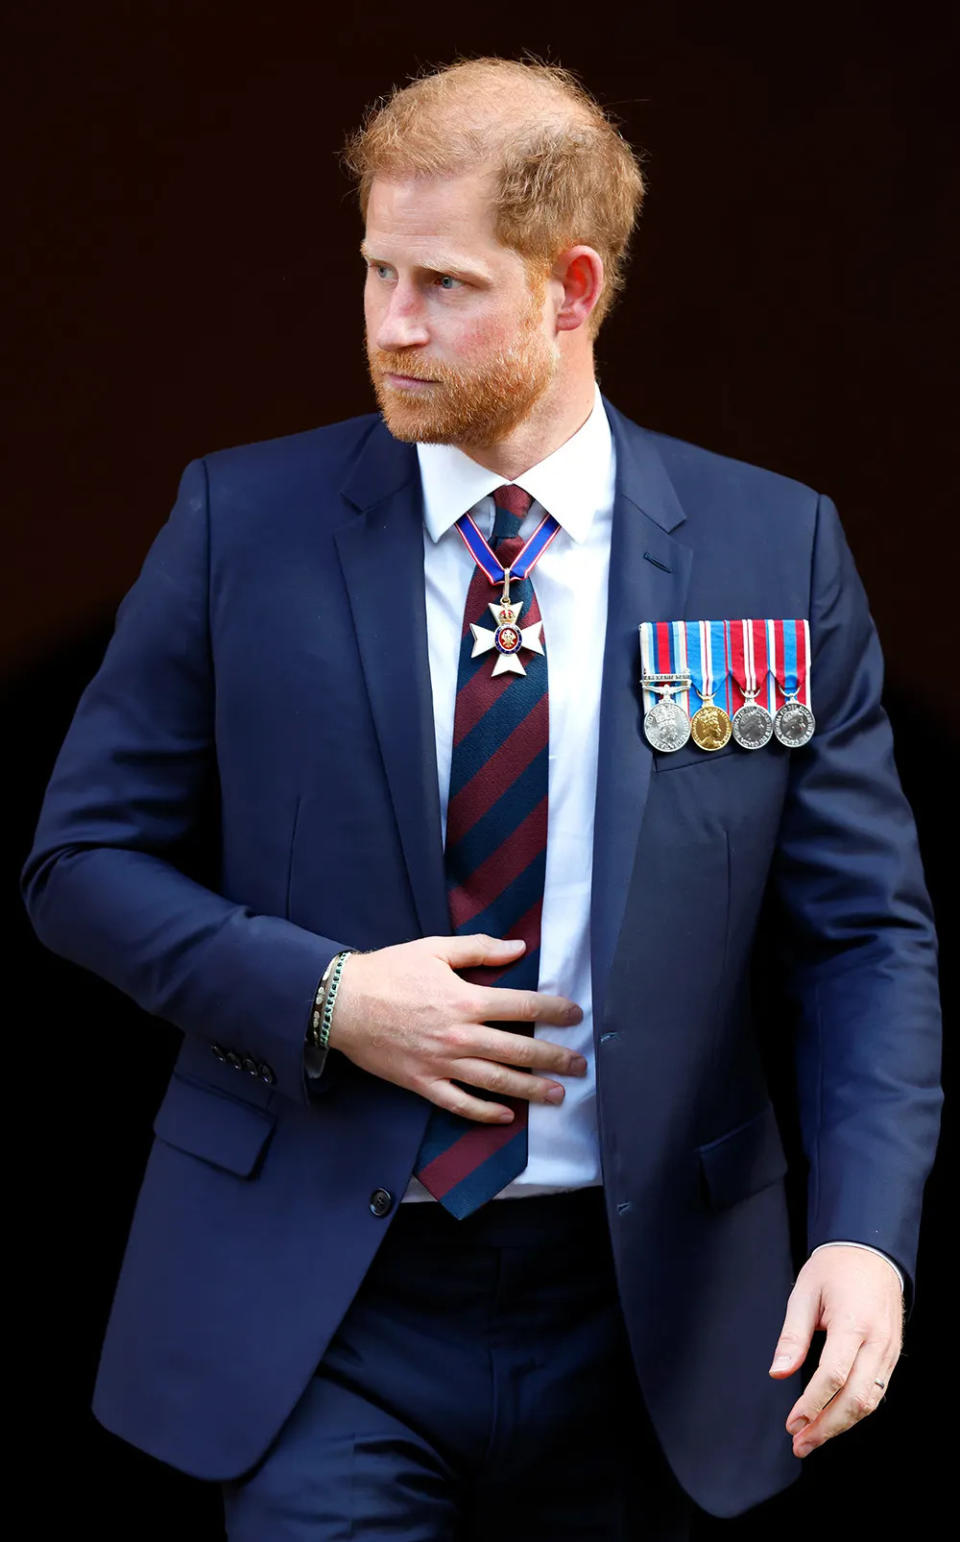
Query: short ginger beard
x,y
481,406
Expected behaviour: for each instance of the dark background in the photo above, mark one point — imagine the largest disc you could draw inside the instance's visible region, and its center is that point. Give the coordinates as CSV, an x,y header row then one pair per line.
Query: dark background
x,y
185,277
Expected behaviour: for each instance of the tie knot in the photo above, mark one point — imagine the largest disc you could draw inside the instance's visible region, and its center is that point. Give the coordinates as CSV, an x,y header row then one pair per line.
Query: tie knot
x,y
510,507
513,499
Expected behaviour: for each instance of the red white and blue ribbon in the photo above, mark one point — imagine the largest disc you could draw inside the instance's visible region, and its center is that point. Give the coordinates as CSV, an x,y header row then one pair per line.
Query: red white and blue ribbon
x,y
748,663
788,652
730,660
663,651
528,556
708,655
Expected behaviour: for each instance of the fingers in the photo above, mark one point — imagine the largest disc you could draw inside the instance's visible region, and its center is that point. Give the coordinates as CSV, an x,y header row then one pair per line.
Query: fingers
x,y
859,1396
446,1094
793,1345
478,948
508,1083
836,1362
520,1050
853,1296
505,1005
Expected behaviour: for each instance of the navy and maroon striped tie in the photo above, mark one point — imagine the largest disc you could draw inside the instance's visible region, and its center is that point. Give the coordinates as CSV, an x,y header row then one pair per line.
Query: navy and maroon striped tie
x,y
495,856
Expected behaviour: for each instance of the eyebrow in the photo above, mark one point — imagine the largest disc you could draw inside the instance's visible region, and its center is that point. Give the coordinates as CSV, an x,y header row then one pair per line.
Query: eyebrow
x,y
455,268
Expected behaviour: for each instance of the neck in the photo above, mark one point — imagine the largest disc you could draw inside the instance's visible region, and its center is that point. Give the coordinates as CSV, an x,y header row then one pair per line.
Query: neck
x,y
554,420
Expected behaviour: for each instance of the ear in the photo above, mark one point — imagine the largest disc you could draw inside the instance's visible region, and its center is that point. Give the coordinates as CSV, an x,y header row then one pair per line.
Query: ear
x,y
579,273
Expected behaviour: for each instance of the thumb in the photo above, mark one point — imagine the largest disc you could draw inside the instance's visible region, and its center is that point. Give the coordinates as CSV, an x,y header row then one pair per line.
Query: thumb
x,y
479,948
797,1331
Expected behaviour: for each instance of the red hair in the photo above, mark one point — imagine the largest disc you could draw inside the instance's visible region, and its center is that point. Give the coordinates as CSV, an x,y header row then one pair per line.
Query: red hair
x,y
563,174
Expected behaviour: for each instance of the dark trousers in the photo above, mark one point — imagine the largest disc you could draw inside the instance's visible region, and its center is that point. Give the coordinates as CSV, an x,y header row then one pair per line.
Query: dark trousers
x,y
479,1389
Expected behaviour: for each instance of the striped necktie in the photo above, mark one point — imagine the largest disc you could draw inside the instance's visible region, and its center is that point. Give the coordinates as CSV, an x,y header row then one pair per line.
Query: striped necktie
x,y
495,858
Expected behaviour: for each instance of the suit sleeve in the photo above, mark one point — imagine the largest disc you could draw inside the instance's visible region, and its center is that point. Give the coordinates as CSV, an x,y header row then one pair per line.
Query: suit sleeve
x,y
860,941
101,884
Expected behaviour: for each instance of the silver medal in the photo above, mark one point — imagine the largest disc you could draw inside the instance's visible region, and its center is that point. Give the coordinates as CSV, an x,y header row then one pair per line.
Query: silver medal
x,y
667,726
752,726
794,724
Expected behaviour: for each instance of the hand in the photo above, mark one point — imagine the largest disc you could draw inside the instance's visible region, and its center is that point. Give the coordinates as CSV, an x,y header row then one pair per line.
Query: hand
x,y
855,1298
403,1013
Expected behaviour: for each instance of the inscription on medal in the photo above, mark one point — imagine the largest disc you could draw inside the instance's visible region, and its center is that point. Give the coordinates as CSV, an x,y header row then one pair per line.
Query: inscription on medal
x,y
794,725
752,726
667,726
710,727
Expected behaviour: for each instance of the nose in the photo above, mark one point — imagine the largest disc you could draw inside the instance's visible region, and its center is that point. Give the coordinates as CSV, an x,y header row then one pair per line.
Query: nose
x,y
400,323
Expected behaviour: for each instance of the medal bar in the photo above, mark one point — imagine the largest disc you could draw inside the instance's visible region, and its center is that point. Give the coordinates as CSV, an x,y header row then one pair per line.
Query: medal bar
x,y
752,677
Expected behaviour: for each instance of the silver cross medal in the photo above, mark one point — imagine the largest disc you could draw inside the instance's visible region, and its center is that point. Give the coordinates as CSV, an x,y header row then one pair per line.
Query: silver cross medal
x,y
508,638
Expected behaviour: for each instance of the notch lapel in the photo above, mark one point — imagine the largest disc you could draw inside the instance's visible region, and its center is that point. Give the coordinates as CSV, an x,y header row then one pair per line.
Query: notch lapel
x,y
649,577
381,554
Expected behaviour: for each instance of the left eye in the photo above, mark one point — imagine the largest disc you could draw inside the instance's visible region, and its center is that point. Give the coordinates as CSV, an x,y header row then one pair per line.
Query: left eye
x,y
447,282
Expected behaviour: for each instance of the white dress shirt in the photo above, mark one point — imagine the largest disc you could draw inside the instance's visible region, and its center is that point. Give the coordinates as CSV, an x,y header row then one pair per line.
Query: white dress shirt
x,y
576,485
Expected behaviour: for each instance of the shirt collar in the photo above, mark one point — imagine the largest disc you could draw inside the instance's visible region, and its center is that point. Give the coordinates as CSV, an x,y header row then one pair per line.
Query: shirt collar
x,y
570,483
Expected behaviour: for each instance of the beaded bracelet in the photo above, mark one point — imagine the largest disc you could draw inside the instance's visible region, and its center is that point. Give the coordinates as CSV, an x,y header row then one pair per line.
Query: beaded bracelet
x,y
321,1015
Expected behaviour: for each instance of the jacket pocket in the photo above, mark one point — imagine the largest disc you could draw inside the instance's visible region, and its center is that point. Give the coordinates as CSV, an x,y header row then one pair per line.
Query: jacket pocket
x,y
744,1161
225,1131
692,755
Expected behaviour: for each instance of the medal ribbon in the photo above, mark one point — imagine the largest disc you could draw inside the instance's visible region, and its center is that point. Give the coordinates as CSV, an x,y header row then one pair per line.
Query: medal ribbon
x,y
663,651
647,664
709,661
748,652
527,557
681,663
706,661
788,646
730,661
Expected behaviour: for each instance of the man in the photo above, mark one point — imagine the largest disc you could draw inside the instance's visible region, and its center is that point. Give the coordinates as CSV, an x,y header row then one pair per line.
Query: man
x,y
512,903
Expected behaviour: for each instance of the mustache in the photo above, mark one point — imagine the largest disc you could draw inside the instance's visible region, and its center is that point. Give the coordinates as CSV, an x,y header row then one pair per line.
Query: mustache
x,y
403,364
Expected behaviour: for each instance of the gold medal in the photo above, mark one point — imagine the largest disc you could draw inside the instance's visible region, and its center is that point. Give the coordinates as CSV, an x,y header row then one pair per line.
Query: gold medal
x,y
710,727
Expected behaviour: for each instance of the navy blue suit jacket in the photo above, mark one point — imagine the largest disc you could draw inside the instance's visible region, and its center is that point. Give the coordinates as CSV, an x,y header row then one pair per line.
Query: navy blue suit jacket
x,y
273,652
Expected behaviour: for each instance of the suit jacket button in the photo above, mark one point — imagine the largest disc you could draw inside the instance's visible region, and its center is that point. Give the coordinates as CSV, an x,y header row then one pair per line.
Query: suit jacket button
x,y
266,1073
380,1201
250,1066
234,1059
219,1051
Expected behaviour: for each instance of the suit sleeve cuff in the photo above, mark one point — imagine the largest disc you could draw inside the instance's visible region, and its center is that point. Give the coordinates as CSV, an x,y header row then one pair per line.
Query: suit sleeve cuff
x,y
840,1243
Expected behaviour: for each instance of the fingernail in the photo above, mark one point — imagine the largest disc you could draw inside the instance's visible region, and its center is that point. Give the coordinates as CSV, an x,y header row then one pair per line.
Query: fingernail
x,y
804,1450
555,1095
573,1015
579,1066
781,1363
796,1425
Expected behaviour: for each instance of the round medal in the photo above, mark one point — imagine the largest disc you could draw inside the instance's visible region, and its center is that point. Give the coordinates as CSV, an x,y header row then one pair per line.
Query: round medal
x,y
794,725
710,727
752,726
667,726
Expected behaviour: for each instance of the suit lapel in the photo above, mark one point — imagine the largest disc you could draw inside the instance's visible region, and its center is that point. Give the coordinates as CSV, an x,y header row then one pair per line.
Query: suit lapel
x,y
381,553
649,576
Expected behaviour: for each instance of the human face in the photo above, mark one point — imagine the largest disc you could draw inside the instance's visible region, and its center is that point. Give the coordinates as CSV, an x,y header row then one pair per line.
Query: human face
x,y
458,339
